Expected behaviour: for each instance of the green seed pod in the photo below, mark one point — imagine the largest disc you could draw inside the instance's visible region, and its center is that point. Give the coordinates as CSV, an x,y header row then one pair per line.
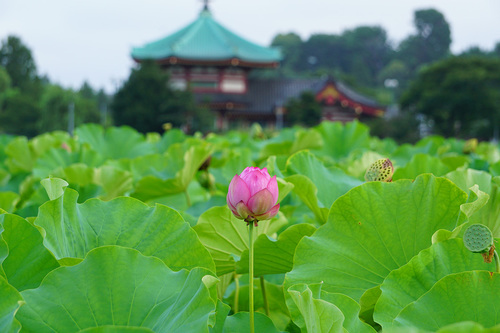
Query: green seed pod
x,y
470,146
478,238
382,170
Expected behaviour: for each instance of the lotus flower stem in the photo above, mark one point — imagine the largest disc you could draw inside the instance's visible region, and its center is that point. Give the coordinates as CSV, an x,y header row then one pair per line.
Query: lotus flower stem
x,y
264,295
497,261
236,293
250,276
188,199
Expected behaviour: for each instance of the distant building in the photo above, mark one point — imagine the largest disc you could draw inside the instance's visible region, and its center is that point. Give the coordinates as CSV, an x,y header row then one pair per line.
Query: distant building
x,y
214,63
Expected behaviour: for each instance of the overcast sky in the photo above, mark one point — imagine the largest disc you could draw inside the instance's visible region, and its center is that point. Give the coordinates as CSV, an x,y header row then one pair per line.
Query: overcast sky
x,y
90,40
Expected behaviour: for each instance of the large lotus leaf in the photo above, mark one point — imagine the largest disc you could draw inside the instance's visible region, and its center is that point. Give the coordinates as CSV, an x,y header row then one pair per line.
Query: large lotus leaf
x,y
239,323
349,308
170,137
330,183
9,304
224,235
74,229
312,314
291,141
466,178
114,182
118,286
489,211
419,164
374,229
495,169
233,162
488,151
21,157
461,327
178,172
114,142
358,162
116,329
8,201
307,191
466,296
278,311
273,256
340,139
409,282
28,260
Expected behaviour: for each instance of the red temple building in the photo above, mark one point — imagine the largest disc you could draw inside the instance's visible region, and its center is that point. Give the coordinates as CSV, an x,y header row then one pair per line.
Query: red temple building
x,y
215,64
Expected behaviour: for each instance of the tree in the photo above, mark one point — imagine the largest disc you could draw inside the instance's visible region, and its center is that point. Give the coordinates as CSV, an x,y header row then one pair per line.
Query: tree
x,y
290,45
431,42
16,58
146,102
304,111
460,95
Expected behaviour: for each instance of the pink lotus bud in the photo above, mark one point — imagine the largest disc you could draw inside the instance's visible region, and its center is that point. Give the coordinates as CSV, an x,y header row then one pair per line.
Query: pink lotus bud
x,y
253,195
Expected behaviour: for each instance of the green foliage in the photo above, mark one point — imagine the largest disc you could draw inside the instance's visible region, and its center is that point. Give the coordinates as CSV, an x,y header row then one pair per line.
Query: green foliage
x,y
146,102
460,95
304,110
78,253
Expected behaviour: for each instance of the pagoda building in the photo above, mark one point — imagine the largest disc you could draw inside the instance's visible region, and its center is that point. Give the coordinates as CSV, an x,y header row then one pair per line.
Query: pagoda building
x,y
214,64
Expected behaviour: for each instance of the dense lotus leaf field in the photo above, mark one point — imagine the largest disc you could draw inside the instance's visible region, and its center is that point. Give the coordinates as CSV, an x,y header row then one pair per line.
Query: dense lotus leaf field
x,y
110,230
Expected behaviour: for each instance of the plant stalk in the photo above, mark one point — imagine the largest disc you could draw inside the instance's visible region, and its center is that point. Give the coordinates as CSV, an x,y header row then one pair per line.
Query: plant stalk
x,y
188,199
250,277
264,294
236,293
497,261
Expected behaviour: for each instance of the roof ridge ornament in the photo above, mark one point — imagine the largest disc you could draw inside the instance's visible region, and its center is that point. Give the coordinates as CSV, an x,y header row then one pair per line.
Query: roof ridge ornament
x,y
205,5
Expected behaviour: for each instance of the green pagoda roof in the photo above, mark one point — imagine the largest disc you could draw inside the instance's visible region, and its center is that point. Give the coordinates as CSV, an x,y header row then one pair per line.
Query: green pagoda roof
x,y
205,41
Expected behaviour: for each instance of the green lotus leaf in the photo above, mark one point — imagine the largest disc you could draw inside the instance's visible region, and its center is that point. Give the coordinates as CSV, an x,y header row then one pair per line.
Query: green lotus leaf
x,y
10,302
312,314
114,182
74,229
239,323
495,169
114,142
330,183
21,157
54,187
341,139
224,235
275,256
374,229
409,282
28,261
8,201
358,162
116,329
307,191
221,312
419,164
461,327
475,202
177,173
466,296
278,311
117,286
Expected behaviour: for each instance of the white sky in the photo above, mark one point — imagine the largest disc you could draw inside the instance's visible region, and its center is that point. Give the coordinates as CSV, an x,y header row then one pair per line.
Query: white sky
x,y
77,40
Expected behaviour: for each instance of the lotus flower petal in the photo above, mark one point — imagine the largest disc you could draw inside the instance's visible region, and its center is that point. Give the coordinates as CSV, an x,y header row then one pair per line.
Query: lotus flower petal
x,y
269,214
238,191
261,202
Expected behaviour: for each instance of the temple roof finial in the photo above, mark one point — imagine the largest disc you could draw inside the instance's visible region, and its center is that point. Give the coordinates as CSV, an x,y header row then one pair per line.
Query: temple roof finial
x,y
205,5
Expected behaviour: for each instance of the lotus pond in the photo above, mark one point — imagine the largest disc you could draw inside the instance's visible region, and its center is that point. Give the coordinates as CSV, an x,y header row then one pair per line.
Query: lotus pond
x,y
110,230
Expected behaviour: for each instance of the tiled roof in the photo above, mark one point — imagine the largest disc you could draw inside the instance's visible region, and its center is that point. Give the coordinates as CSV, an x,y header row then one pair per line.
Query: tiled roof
x,y
206,40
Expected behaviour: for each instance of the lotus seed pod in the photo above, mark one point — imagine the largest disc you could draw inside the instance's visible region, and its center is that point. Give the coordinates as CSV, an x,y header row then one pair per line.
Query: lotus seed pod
x,y
470,146
478,238
382,170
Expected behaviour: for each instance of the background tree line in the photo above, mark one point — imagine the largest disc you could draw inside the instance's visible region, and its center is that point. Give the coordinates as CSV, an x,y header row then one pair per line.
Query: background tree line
x,y
411,72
